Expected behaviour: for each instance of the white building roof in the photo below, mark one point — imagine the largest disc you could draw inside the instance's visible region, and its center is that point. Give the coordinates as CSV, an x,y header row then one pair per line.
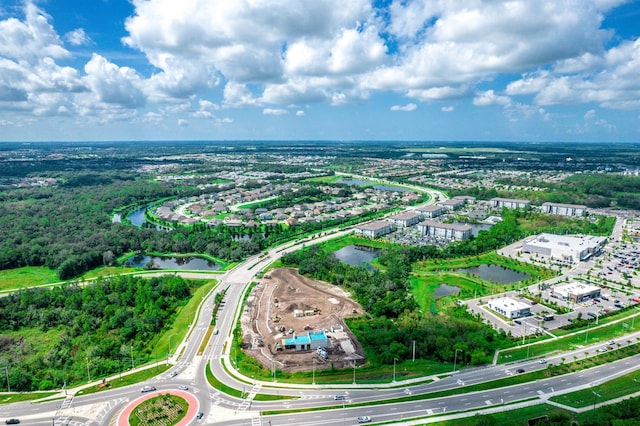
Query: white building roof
x,y
578,289
508,304
565,242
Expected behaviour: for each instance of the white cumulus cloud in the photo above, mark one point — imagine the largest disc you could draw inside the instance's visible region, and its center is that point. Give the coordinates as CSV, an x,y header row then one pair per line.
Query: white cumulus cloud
x,y
406,108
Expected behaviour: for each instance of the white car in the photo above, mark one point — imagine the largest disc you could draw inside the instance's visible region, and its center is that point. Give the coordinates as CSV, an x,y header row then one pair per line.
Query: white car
x,y
543,361
183,387
364,419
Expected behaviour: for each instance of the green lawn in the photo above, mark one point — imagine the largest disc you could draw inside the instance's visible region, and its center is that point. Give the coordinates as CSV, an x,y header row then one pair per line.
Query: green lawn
x,y
28,276
518,417
594,334
606,391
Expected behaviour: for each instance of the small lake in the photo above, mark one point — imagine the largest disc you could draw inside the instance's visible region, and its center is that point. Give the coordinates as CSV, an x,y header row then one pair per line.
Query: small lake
x,y
186,263
445,290
495,273
391,188
355,256
137,217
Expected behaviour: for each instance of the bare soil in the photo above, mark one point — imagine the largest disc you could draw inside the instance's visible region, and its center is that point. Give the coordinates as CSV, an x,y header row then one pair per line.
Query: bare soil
x,y
270,308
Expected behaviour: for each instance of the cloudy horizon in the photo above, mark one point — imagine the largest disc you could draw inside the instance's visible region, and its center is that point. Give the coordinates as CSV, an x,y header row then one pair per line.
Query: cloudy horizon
x,y
327,69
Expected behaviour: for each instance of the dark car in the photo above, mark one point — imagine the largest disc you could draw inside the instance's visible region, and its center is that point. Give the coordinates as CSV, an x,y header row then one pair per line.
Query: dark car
x,y
339,397
199,415
520,370
12,421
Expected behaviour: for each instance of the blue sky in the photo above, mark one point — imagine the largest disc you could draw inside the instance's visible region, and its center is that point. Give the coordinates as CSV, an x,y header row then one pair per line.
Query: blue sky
x,y
519,70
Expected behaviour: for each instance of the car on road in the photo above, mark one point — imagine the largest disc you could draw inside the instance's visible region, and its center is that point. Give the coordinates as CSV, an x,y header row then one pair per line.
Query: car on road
x,y
147,389
520,370
173,374
339,397
12,421
364,419
612,342
200,415
183,387
543,361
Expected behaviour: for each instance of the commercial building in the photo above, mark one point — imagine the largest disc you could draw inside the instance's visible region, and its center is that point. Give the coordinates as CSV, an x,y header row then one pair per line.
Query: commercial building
x,y
510,203
564,209
309,341
564,248
510,308
375,229
576,292
449,231
430,211
405,219
452,204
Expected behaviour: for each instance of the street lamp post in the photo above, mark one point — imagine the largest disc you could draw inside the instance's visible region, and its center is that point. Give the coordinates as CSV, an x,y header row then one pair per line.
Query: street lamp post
x,y
132,364
169,348
354,371
455,359
394,370
587,334
595,396
6,370
88,375
313,380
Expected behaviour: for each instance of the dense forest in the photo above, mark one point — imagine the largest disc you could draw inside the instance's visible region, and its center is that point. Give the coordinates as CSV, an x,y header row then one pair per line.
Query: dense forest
x,y
51,336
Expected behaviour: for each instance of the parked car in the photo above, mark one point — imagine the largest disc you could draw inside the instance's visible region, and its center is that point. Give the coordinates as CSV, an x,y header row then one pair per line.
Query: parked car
x,y
364,419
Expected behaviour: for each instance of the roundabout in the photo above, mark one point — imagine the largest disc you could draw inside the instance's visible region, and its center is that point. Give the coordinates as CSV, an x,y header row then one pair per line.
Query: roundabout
x,y
192,410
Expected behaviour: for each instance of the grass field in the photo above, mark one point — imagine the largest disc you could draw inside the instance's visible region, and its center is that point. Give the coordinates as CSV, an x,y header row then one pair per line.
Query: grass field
x,y
616,388
29,276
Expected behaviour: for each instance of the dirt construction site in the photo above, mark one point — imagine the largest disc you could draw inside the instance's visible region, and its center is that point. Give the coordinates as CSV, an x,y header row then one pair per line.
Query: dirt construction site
x,y
292,323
